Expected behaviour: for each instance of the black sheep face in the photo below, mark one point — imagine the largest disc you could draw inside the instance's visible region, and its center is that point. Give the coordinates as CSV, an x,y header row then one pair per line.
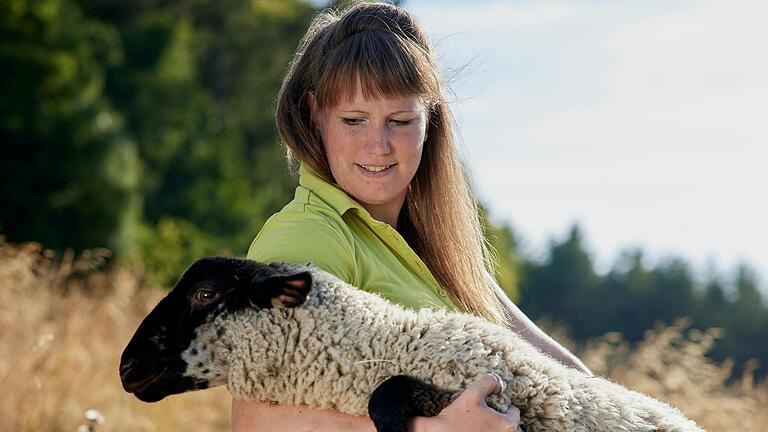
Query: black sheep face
x,y
169,355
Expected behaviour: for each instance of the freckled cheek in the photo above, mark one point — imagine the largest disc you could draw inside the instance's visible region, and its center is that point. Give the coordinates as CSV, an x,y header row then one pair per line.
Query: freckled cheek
x,y
411,140
411,146
340,153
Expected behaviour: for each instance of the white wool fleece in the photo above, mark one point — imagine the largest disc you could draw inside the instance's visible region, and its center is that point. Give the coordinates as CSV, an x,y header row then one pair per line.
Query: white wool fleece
x,y
334,350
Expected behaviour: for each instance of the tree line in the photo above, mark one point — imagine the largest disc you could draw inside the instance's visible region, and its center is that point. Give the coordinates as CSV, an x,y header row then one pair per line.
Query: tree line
x,y
632,297
147,127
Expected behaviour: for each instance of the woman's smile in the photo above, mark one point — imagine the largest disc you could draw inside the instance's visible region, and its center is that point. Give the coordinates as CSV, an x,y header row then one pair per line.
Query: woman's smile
x,y
374,171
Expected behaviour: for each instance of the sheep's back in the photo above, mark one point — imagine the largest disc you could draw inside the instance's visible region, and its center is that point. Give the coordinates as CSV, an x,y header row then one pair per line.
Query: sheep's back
x,y
333,352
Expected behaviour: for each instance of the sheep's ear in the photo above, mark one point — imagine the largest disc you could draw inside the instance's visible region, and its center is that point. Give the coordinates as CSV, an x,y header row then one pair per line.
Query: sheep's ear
x,y
280,290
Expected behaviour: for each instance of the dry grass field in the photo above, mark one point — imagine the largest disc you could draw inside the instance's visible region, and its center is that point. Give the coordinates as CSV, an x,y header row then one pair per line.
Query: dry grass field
x,y
63,327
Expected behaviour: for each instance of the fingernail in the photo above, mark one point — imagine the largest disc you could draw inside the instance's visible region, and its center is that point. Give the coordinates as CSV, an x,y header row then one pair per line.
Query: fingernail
x,y
502,384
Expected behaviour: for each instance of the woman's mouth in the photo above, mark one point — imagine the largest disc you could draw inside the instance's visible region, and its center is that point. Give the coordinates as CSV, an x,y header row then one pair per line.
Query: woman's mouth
x,y
375,170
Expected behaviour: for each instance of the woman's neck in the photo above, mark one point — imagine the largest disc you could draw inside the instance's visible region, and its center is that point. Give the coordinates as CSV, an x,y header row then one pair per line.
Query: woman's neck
x,y
386,213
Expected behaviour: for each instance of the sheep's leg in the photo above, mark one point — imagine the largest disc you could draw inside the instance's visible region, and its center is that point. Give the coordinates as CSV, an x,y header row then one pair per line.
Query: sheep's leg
x,y
401,397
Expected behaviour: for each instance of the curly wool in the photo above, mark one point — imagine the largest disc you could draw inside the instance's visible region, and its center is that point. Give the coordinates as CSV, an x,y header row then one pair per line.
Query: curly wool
x,y
335,349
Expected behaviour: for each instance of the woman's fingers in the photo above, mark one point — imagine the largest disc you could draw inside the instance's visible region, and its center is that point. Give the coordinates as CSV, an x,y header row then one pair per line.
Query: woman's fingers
x,y
502,384
513,414
484,386
469,411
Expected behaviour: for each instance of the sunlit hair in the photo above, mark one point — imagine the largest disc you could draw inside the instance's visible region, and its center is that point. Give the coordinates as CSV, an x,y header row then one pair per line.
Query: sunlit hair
x,y
381,47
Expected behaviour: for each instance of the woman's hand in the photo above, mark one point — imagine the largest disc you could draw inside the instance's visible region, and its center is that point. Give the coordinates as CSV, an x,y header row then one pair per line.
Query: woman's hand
x,y
469,412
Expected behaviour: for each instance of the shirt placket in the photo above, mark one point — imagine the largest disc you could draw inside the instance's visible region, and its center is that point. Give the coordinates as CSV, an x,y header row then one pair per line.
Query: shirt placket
x,y
396,241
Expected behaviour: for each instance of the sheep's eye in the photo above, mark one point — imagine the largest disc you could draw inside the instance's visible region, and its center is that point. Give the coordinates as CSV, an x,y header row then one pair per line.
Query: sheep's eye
x,y
204,297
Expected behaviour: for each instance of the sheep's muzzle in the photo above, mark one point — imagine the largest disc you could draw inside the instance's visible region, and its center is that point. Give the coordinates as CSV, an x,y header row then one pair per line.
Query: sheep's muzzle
x,y
151,380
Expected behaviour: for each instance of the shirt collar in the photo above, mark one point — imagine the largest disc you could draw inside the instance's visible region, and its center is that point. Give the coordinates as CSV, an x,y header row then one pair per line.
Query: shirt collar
x,y
328,192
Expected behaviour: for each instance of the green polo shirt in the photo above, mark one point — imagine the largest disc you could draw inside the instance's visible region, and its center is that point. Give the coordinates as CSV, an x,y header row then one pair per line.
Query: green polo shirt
x,y
325,226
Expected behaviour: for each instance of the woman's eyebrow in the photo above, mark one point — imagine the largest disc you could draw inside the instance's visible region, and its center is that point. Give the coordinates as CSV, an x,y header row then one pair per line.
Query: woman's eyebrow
x,y
355,111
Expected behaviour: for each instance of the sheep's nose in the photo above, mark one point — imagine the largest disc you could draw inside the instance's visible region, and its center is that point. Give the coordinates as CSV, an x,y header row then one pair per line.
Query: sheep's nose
x,y
136,375
125,368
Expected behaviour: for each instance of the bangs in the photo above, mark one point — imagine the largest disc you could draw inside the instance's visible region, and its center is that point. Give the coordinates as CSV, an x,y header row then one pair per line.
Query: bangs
x,y
385,64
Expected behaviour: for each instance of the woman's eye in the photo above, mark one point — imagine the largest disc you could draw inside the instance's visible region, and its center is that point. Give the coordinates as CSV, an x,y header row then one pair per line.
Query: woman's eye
x,y
397,122
353,121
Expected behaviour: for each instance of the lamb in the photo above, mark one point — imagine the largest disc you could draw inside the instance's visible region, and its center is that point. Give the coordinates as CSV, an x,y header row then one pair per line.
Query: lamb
x,y
297,335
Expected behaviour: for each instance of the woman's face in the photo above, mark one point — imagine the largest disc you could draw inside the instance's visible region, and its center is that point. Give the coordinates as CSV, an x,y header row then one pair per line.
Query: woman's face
x,y
374,148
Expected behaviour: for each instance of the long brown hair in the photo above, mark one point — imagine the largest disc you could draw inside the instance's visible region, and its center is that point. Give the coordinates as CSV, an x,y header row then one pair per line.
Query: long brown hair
x,y
380,46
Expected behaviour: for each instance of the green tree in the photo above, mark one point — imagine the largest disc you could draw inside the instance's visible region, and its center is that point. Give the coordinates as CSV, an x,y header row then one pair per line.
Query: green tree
x,y
642,296
119,112
749,321
672,294
69,171
503,245
197,86
564,286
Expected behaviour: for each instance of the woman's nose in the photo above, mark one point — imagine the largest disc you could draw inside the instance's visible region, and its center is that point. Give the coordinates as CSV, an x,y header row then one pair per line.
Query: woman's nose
x,y
378,141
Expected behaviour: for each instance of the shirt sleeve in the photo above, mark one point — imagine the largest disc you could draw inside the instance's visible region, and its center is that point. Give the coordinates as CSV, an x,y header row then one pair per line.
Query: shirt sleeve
x,y
305,239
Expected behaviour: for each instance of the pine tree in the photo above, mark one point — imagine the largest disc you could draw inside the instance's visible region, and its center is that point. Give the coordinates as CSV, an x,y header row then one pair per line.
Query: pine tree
x,y
69,171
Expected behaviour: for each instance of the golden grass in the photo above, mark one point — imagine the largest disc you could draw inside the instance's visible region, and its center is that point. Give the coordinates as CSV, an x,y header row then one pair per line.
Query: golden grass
x,y
669,364
61,336
63,327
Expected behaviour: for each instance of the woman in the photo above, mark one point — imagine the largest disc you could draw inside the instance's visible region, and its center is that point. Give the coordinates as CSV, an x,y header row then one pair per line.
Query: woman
x,y
382,201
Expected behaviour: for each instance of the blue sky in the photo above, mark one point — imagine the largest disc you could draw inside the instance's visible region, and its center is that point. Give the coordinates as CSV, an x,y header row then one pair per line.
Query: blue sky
x,y
646,122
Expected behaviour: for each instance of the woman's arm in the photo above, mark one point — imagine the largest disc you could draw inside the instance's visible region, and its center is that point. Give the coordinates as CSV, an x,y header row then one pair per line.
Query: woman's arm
x,y
467,413
250,416
529,331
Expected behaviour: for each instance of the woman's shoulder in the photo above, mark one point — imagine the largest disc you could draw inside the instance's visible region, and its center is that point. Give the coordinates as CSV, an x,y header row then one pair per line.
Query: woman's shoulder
x,y
305,235
298,228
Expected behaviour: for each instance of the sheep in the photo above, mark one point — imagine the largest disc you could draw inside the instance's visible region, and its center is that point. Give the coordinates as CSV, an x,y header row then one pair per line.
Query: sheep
x,y
295,334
